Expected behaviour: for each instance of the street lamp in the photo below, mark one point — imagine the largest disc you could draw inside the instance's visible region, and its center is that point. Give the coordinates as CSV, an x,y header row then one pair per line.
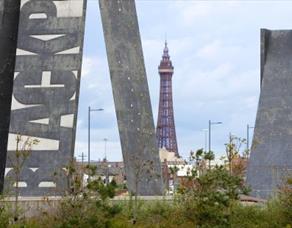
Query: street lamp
x,y
106,163
82,156
247,136
105,141
89,111
210,124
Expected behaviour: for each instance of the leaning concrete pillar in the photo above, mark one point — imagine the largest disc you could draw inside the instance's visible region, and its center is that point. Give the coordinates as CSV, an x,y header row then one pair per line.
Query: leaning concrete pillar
x,y
131,96
9,16
45,92
271,154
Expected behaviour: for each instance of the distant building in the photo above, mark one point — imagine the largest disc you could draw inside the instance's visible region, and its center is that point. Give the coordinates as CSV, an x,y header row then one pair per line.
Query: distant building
x,y
170,157
174,170
107,171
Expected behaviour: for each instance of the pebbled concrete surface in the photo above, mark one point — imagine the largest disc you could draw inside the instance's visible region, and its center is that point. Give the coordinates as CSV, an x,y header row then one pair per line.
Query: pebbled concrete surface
x,y
271,154
131,96
9,16
45,92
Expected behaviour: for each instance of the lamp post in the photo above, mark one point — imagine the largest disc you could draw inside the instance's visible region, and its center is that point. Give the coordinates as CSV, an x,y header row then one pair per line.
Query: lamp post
x,y
105,141
89,111
247,136
106,163
82,156
210,124
206,138
82,166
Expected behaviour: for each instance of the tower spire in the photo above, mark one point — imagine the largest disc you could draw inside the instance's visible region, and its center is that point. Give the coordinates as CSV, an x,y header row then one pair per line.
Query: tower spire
x,y
165,51
165,131
165,39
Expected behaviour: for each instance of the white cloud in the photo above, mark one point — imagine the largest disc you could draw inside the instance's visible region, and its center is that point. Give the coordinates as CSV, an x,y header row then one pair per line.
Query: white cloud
x,y
216,50
95,83
194,12
87,65
210,51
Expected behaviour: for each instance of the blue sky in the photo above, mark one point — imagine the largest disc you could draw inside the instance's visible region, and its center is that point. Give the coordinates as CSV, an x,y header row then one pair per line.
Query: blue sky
x,y
214,46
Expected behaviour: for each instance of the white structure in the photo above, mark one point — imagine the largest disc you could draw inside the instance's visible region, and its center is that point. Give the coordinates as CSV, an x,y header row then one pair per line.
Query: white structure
x,y
164,154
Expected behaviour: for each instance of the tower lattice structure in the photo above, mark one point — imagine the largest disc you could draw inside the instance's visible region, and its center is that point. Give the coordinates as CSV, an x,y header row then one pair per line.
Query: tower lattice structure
x,y
165,130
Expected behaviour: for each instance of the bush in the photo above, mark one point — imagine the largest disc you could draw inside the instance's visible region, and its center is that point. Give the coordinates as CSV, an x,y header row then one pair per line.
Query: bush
x,y
285,202
209,202
4,217
251,216
91,209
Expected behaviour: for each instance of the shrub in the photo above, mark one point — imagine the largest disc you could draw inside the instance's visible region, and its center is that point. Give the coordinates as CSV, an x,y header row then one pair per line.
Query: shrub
x,y
209,202
285,202
4,217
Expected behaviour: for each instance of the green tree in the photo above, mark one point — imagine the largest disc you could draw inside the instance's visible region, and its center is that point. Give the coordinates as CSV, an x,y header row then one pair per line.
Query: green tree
x,y
17,160
235,151
88,206
209,156
208,203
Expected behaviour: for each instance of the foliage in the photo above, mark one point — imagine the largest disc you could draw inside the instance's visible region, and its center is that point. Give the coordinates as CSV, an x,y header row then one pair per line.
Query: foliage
x,y
236,156
209,200
87,207
209,156
104,191
141,169
201,158
285,199
17,160
267,215
4,217
88,212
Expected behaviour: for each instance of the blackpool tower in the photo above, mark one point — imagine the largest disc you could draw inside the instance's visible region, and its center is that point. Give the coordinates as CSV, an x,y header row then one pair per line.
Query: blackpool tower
x,y
165,130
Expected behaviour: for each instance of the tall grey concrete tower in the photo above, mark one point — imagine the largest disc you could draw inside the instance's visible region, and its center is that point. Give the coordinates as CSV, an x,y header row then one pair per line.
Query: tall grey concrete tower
x,y
131,96
271,154
9,18
45,94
